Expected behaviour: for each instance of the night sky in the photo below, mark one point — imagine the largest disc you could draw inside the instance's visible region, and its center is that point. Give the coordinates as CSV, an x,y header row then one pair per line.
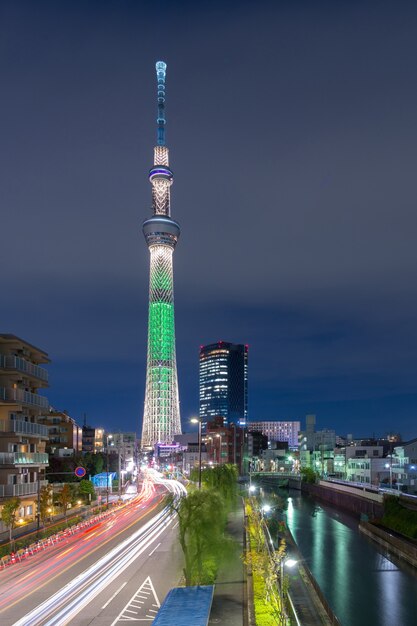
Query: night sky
x,y
293,140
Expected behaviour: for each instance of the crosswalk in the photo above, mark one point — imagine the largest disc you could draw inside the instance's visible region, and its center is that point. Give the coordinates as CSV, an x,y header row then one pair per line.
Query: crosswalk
x,y
142,607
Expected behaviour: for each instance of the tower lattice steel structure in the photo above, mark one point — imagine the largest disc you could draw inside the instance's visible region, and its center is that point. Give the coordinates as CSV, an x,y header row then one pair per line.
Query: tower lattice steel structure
x,y
161,418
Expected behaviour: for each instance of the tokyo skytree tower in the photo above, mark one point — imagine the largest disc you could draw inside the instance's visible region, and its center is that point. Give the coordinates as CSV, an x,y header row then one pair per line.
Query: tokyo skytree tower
x,y
161,417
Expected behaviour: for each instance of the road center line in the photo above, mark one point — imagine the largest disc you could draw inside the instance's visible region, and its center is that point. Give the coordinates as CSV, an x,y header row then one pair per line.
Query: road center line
x,y
155,548
114,595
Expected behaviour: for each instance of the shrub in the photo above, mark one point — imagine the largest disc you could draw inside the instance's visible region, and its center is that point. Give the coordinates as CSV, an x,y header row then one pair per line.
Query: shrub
x,y
398,518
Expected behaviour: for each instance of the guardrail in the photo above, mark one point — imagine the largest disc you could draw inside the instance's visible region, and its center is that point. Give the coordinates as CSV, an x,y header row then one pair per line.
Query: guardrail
x,y
361,490
43,544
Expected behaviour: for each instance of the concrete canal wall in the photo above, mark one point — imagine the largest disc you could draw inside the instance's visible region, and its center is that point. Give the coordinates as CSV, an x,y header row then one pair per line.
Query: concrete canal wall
x,y
402,548
353,500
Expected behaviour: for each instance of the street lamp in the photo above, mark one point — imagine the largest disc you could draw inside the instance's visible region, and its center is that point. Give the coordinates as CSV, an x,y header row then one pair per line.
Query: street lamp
x,y
107,467
389,466
196,420
287,563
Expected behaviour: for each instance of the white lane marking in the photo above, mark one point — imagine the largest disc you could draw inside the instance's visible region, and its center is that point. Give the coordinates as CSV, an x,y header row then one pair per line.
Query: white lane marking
x,y
155,548
94,579
143,589
114,595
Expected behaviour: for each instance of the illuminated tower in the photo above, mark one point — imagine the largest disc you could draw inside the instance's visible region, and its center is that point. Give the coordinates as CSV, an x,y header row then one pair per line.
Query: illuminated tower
x,y
161,417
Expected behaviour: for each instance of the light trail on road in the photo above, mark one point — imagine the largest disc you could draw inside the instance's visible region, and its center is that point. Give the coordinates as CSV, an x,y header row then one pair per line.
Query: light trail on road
x,y
29,576
61,607
70,600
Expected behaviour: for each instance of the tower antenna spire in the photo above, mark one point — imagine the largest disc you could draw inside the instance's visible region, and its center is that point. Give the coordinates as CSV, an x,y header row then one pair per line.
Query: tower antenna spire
x,y
161,70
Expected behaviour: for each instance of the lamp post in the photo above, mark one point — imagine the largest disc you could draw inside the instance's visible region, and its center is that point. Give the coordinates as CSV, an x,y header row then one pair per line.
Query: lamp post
x,y
287,563
107,467
389,466
196,420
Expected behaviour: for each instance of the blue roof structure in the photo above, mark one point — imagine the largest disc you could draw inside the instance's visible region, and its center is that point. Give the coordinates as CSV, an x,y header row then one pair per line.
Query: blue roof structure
x,y
188,606
105,479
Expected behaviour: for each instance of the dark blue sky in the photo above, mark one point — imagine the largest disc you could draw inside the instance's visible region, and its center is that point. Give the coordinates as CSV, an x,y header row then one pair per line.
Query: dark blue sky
x,y
293,142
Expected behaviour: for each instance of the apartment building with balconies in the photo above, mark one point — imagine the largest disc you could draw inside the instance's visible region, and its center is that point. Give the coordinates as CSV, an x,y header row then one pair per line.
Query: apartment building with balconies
x,y
23,437
65,435
92,439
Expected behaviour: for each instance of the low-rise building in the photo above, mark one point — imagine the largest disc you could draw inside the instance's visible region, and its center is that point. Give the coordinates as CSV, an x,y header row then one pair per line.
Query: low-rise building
x,y
226,444
404,466
367,470
92,439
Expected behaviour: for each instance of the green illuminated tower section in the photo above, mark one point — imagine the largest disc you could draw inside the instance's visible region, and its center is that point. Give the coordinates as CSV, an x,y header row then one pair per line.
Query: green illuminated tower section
x,y
161,417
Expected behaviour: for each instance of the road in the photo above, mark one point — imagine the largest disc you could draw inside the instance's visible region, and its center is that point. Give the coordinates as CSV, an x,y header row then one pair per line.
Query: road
x,y
120,568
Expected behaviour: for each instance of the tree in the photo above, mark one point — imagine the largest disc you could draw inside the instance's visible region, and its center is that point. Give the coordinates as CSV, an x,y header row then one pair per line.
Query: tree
x,y
85,489
45,501
66,497
8,514
202,519
223,479
308,475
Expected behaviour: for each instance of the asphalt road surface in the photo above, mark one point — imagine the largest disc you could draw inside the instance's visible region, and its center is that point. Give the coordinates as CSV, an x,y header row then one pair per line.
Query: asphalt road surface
x,y
115,571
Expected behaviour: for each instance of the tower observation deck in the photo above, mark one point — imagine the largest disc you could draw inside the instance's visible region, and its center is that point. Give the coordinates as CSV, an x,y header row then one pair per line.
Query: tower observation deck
x,y
161,416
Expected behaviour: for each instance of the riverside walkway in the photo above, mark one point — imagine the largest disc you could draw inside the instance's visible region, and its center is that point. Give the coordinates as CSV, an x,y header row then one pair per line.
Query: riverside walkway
x,y
232,601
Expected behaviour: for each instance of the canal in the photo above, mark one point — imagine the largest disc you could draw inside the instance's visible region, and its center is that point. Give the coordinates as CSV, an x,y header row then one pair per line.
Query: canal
x,y
364,586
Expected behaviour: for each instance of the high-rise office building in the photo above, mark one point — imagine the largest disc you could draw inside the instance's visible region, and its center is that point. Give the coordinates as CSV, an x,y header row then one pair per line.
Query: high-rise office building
x,y
161,417
224,382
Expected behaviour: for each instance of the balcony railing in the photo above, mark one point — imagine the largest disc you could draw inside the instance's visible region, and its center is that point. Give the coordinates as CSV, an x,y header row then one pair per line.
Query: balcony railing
x,y
26,367
2,394
26,397
20,427
25,489
23,458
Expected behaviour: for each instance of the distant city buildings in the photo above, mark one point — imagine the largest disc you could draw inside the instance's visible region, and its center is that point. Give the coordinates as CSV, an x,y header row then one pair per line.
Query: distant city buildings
x,y
224,383
278,431
123,443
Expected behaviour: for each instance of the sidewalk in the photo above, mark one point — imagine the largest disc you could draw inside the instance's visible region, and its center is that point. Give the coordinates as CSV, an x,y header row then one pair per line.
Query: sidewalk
x,y
304,598
228,608
230,601
305,602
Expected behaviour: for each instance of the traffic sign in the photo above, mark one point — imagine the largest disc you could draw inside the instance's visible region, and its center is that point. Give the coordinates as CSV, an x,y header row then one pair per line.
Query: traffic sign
x,y
80,472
